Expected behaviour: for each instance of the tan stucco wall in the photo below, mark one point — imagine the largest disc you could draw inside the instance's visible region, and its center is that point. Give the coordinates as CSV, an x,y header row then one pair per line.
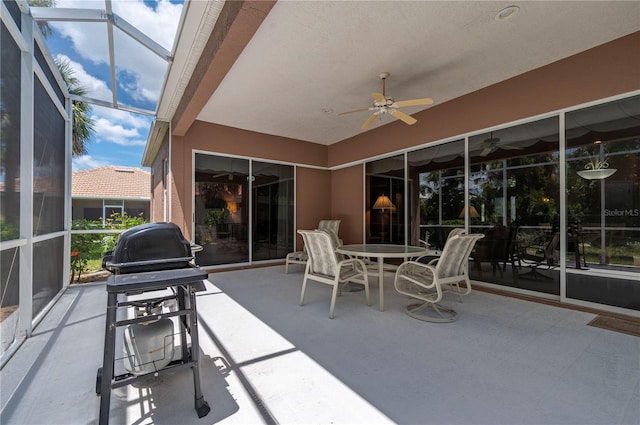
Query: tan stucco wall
x,y
347,189
157,197
181,191
313,199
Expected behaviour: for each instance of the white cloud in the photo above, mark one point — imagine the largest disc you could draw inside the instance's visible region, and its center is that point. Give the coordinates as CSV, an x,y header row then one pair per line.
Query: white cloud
x,y
159,24
85,162
122,117
95,87
116,133
142,70
119,127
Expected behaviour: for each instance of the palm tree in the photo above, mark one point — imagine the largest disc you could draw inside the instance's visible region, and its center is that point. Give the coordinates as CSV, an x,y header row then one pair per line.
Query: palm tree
x,y
44,26
82,124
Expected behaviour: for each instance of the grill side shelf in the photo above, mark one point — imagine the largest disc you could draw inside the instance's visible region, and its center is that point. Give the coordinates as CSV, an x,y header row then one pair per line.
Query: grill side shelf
x,y
148,281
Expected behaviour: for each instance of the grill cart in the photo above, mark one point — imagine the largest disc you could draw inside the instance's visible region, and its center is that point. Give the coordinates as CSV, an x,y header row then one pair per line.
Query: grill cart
x,y
149,260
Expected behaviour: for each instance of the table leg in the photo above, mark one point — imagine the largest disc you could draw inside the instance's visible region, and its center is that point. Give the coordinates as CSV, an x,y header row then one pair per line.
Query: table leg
x,y
381,281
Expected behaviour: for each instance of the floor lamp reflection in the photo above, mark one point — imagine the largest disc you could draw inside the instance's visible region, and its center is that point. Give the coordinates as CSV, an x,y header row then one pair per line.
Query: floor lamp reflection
x,y
383,203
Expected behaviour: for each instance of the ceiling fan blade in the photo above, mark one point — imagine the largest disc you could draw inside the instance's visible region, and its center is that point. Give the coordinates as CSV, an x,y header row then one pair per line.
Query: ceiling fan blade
x,y
355,110
413,102
370,121
486,151
379,98
402,116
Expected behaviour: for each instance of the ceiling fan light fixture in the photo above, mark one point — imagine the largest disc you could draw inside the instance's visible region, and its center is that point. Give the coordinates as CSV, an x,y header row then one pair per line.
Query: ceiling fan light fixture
x,y
387,105
507,13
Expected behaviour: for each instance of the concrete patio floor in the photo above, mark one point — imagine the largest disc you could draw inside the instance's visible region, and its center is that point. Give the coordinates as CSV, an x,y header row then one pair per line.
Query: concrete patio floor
x,y
265,359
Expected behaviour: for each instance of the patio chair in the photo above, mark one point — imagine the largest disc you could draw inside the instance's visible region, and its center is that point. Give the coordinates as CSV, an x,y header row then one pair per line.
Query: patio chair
x,y
455,232
333,225
542,254
297,257
301,257
429,258
493,249
324,267
428,282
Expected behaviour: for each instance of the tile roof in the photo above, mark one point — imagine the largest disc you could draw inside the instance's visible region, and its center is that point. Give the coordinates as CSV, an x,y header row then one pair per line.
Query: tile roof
x,y
111,182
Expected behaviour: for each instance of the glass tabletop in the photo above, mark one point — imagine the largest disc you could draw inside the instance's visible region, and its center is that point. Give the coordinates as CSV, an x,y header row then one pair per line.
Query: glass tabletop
x,y
382,250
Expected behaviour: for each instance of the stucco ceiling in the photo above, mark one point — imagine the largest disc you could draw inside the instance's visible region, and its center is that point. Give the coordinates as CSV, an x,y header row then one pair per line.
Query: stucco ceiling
x,y
310,60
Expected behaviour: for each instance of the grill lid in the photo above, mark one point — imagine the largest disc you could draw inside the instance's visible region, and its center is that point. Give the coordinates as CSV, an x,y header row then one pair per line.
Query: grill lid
x,y
148,247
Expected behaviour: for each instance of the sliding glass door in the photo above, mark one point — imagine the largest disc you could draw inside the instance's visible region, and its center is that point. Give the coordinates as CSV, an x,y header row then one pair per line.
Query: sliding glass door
x,y
514,200
243,210
603,203
221,217
273,212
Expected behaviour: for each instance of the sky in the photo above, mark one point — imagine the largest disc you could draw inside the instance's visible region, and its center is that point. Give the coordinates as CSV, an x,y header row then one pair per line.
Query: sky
x,y
119,136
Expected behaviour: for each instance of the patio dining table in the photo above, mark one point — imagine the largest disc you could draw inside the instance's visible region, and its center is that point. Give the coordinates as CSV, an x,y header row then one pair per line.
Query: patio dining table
x,y
382,251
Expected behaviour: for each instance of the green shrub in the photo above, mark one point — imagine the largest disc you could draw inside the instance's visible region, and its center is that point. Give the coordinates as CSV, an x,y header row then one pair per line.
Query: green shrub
x,y
8,231
89,248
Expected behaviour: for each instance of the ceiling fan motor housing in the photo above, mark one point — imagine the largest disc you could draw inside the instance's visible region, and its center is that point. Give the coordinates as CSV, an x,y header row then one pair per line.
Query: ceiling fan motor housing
x,y
388,102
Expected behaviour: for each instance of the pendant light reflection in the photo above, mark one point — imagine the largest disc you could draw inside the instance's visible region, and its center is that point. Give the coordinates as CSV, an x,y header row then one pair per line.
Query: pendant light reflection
x,y
597,170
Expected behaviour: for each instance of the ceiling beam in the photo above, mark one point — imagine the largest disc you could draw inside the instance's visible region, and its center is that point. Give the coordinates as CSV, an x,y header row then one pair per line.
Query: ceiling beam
x,y
106,104
234,28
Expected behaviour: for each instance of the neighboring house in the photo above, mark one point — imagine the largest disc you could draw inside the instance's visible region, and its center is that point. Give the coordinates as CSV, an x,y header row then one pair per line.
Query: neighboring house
x,y
99,192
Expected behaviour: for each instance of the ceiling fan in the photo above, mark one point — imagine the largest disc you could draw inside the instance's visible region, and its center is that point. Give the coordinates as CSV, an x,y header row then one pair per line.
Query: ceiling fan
x,y
491,145
383,104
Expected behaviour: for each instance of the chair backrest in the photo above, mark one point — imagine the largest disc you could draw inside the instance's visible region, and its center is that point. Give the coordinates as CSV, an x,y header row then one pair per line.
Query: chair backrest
x,y
455,255
322,256
455,232
336,242
333,225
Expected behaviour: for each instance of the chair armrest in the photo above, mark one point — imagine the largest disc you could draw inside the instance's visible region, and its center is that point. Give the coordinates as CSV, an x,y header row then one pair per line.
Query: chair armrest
x,y
419,273
356,263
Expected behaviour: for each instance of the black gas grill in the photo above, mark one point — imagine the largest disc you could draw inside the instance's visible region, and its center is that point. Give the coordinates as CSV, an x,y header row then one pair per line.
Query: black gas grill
x,y
150,258
149,247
